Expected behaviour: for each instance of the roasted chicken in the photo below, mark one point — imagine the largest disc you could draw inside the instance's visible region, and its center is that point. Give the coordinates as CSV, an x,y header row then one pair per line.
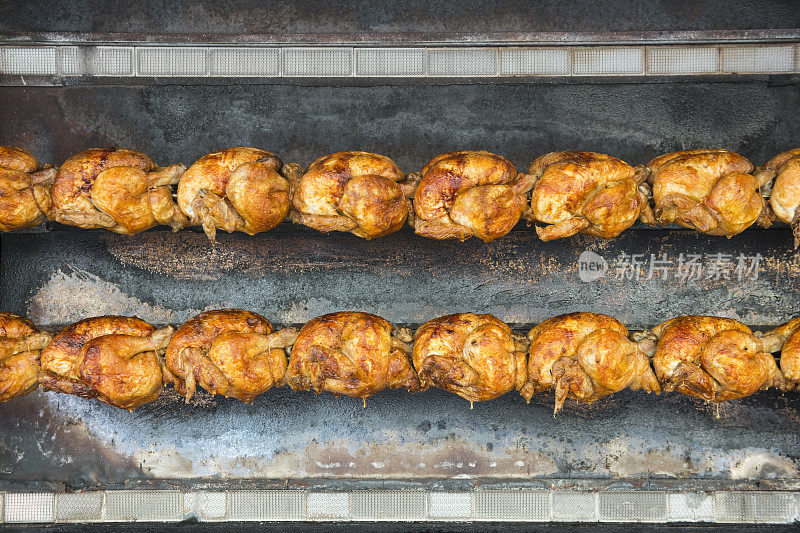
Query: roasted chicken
x,y
585,356
357,192
20,346
711,191
784,199
117,189
115,359
350,353
716,359
238,189
474,356
465,194
230,352
24,189
786,339
585,192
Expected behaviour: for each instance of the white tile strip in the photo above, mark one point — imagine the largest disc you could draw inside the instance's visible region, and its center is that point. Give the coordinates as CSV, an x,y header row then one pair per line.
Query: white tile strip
x,y
161,60
623,506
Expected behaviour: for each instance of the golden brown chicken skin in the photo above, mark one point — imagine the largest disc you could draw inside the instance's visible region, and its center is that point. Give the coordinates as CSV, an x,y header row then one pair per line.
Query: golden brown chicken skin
x,y
474,356
585,192
229,352
716,359
116,189
238,189
711,191
357,192
786,339
24,189
351,353
585,356
114,359
784,199
469,193
20,346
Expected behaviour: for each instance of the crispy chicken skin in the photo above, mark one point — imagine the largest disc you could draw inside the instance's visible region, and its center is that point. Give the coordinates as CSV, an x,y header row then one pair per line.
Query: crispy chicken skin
x,y
117,189
351,353
238,189
784,199
20,346
786,338
711,191
585,356
114,359
474,356
24,189
357,192
716,359
469,193
585,192
229,352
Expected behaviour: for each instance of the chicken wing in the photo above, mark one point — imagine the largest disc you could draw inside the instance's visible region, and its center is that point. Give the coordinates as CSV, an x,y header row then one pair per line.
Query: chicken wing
x,y
474,356
585,192
585,356
114,359
357,192
350,353
784,199
24,189
716,359
786,339
230,352
20,346
238,189
711,191
465,194
117,189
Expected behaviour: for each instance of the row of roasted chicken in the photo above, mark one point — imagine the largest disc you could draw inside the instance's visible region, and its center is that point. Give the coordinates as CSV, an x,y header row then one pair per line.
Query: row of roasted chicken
x,y
456,195
126,362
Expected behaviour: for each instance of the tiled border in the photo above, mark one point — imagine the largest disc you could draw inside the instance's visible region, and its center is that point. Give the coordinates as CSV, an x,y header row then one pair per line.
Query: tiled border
x,y
752,507
269,61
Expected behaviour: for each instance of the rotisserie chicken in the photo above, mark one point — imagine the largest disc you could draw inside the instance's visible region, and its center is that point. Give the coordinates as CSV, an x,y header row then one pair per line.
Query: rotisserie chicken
x,y
24,189
465,194
784,199
357,192
585,192
786,338
20,346
229,352
238,189
711,191
351,353
474,356
712,358
585,356
114,359
116,189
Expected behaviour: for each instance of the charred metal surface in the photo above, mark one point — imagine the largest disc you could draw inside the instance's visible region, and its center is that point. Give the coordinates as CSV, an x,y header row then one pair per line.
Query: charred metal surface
x,y
416,16
292,274
408,123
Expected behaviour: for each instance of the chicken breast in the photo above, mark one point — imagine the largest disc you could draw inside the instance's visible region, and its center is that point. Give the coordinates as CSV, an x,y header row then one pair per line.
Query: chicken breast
x,y
114,359
238,189
229,352
712,358
468,193
116,189
24,189
20,346
585,192
474,356
351,353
